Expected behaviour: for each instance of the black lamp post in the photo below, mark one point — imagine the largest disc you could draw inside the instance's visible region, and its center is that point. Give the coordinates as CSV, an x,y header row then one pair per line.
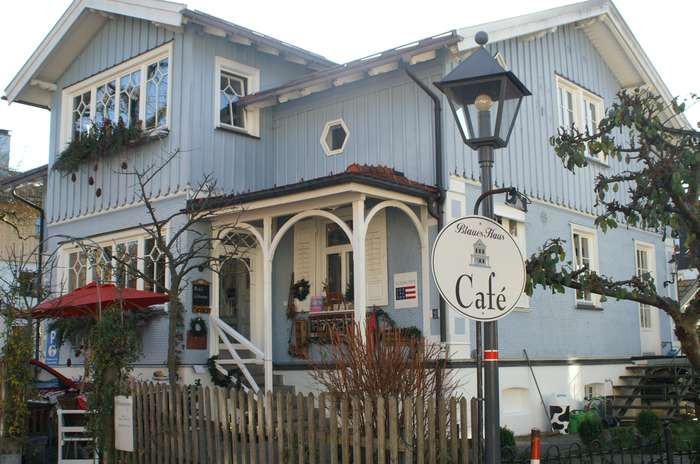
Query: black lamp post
x,y
485,100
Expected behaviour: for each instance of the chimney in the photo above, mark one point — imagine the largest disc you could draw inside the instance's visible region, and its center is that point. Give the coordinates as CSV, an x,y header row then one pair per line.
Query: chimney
x,y
4,152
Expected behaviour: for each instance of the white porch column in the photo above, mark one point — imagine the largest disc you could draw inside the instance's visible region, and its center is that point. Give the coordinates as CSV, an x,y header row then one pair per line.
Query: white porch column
x,y
267,300
425,271
359,230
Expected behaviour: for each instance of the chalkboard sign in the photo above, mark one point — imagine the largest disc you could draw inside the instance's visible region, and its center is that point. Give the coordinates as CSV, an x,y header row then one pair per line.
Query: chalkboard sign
x,y
200,296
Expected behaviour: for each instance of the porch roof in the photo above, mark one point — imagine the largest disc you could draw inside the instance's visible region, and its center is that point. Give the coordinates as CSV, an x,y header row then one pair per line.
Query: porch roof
x,y
372,176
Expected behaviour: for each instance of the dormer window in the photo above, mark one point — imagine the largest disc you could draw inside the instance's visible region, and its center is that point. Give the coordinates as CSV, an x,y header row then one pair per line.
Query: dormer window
x,y
233,81
135,90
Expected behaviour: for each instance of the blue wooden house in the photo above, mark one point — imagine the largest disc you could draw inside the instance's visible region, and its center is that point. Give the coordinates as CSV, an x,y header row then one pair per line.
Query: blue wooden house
x,y
328,173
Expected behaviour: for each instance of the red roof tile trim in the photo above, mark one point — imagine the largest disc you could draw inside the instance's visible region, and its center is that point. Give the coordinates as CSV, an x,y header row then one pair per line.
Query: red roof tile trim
x,y
387,173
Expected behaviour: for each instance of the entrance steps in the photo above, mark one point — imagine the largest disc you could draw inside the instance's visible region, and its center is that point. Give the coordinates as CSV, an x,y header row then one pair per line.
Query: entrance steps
x,y
668,387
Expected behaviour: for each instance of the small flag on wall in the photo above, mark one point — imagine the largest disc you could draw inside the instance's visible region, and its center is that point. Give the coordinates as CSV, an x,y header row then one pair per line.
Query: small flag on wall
x,y
406,290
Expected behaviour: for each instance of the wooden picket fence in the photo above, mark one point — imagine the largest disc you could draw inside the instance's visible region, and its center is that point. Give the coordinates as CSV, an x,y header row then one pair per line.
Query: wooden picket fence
x,y
3,392
213,425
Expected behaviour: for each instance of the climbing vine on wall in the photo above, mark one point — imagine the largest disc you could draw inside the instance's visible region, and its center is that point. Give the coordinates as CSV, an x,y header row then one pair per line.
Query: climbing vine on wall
x,y
18,374
114,347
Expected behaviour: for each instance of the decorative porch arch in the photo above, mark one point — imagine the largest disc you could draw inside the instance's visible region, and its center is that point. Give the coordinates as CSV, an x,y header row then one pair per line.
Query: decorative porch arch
x,y
253,231
303,215
403,207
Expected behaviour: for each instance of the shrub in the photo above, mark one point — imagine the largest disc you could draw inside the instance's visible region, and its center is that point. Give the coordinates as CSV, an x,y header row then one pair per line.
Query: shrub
x,y
507,438
622,437
648,423
590,429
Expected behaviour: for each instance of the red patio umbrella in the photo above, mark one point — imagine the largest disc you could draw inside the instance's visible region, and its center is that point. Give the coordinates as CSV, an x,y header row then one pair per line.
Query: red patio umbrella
x,y
85,301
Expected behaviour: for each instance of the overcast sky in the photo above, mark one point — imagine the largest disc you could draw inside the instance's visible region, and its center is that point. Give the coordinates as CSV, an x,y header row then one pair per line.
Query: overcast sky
x,y
347,30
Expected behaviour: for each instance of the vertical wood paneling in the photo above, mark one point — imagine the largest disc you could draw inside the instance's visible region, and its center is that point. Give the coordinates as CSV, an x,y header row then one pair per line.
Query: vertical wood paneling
x,y
390,122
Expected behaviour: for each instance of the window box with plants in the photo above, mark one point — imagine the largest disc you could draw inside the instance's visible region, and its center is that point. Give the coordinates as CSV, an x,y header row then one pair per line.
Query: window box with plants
x,y
103,140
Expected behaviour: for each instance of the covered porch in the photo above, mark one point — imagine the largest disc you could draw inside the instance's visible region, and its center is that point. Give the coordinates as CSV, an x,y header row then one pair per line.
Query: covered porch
x,y
352,241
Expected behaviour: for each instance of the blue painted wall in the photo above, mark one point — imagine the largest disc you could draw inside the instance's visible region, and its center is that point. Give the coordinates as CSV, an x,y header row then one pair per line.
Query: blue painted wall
x,y
390,123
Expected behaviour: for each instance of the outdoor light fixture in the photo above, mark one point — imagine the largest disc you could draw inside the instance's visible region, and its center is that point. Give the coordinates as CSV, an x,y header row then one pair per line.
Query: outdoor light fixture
x,y
517,200
485,100
479,86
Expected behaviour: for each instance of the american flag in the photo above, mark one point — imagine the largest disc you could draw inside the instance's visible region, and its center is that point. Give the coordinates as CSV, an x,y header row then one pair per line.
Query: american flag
x,y
406,292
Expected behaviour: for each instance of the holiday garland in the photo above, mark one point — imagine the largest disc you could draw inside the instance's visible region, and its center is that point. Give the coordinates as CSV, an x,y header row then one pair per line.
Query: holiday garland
x,y
101,140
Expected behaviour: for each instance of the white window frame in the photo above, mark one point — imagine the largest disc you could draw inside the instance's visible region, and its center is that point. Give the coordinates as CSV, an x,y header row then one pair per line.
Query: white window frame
x,y
513,217
252,75
589,233
114,74
324,135
112,240
650,250
581,99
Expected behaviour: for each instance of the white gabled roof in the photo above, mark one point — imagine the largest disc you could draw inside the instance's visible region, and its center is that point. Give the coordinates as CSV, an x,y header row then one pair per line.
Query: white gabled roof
x,y
36,80
75,28
605,28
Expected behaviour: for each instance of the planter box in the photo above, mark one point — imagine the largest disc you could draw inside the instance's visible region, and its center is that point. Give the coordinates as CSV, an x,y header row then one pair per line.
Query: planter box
x,y
196,342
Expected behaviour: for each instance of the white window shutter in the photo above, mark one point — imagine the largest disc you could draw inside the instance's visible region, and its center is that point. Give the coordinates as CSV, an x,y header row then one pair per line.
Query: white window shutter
x,y
305,258
376,261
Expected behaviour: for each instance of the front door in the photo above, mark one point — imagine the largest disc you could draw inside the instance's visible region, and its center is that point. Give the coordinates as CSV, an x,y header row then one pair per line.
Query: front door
x,y
234,294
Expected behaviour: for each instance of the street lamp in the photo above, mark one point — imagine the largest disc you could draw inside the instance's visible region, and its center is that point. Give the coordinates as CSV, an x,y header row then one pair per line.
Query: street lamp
x,y
477,89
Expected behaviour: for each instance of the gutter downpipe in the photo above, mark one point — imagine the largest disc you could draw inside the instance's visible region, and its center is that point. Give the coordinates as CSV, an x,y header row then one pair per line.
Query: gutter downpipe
x,y
39,259
440,197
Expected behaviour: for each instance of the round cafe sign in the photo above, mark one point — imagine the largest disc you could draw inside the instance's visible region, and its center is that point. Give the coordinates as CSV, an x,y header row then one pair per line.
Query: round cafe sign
x,y
478,268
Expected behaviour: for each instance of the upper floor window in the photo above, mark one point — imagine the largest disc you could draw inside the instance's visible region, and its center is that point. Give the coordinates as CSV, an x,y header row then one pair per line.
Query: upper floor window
x,y
645,265
137,90
578,107
232,81
585,255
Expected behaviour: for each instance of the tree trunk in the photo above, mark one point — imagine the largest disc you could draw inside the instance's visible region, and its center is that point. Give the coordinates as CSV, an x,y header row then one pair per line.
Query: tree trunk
x,y
173,338
686,331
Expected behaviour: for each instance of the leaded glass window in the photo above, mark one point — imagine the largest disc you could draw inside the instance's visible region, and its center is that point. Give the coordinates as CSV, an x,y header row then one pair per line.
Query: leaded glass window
x,y
127,264
154,267
81,114
77,270
130,97
231,88
157,94
104,102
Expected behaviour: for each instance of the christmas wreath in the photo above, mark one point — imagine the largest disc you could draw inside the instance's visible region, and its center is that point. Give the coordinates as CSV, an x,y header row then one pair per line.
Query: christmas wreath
x,y
300,289
198,327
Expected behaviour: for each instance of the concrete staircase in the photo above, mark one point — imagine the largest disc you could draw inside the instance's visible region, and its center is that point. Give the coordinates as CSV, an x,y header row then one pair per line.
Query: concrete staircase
x,y
669,388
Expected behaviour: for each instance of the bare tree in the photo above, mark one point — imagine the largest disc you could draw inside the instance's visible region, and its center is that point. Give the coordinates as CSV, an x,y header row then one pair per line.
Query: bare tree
x,y
183,242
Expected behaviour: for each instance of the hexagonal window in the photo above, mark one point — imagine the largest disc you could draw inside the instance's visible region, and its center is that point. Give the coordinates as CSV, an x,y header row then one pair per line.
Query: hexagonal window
x,y
334,137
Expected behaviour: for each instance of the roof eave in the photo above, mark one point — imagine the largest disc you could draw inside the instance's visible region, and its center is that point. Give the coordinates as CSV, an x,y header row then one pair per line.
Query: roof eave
x,y
162,12
372,65
584,14
204,19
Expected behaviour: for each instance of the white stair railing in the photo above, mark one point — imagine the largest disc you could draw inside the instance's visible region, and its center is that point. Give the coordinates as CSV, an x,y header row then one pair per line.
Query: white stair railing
x,y
225,333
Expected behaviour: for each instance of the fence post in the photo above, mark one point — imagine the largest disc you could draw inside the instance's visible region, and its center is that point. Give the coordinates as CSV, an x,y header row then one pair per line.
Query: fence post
x,y
535,444
668,439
